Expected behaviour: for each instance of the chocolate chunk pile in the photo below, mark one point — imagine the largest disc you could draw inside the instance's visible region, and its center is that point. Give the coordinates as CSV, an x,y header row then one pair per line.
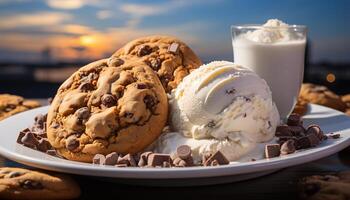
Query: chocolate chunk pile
x,y
182,158
294,136
35,136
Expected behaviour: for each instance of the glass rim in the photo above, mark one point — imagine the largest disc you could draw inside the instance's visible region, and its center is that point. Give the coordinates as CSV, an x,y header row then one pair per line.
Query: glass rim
x,y
259,26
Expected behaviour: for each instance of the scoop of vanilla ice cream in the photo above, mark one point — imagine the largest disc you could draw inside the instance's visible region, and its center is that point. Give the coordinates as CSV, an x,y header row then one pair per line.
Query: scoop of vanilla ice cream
x,y
272,31
221,106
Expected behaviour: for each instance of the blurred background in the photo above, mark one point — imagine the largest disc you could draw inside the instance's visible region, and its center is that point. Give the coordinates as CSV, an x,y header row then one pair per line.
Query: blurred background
x,y
42,42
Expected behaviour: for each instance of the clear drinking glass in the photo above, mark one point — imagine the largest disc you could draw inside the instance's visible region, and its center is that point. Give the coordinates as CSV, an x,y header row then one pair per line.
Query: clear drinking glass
x,y
276,54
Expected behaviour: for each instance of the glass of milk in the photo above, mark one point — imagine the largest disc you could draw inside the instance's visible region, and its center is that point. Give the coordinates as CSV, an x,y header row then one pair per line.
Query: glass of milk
x,y
276,52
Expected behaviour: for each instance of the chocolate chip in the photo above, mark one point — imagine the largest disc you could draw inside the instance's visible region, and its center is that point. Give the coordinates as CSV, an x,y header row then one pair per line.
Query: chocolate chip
x,y
29,140
115,62
128,115
303,143
128,159
52,152
294,119
86,86
272,150
44,145
112,158
141,86
31,184
155,63
211,124
297,131
219,157
40,119
288,147
315,129
108,100
230,91
99,159
14,174
83,113
183,151
157,159
144,158
21,135
283,131
144,50
174,48
314,140
149,101
72,143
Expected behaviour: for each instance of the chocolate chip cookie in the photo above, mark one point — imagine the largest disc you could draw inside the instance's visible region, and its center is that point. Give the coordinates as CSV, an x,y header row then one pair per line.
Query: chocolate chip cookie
x,y
12,104
171,58
301,106
16,183
321,95
116,106
317,187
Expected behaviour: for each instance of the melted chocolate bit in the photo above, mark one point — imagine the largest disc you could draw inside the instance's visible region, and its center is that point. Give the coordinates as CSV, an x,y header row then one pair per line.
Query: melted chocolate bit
x,y
83,113
85,87
144,50
108,100
155,63
141,86
72,143
31,184
149,101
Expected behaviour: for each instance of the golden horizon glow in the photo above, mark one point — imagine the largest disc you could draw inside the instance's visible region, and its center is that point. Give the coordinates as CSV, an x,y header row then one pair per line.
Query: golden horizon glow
x,y
87,40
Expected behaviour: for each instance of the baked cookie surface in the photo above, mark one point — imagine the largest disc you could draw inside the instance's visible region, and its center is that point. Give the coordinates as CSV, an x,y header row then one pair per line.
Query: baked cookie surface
x,y
321,95
301,106
102,108
16,183
171,58
13,104
326,187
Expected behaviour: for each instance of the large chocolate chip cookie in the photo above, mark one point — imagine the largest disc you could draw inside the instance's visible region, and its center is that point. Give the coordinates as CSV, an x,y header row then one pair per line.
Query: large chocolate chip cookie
x,y
16,183
171,58
118,106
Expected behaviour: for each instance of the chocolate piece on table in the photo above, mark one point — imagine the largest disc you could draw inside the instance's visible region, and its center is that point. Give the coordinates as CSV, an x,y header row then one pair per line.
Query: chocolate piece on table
x,y
219,157
283,131
99,159
183,151
174,48
288,147
157,159
112,158
294,120
272,150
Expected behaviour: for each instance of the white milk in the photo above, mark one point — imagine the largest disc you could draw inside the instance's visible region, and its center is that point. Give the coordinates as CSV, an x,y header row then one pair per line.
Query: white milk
x,y
280,64
276,55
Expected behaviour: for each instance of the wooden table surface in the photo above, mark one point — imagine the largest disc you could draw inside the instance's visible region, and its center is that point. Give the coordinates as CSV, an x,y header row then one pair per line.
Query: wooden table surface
x,y
279,185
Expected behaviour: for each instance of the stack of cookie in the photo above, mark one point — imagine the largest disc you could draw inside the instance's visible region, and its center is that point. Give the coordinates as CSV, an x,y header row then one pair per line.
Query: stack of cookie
x,y
317,94
118,104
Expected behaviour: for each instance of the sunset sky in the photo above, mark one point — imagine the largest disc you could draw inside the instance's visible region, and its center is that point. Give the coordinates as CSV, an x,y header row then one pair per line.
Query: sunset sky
x,y
92,29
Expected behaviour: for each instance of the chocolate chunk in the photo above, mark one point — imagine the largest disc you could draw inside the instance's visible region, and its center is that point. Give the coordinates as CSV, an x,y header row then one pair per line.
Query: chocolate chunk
x,y
303,143
283,131
21,135
205,157
149,101
141,86
157,159
315,129
112,158
155,63
86,86
174,48
40,119
31,184
314,140
115,62
214,163
230,91
83,113
29,140
108,100
44,145
129,115
52,152
144,158
183,151
272,150
72,143
294,119
219,157
297,131
128,159
144,50
14,174
288,147
99,159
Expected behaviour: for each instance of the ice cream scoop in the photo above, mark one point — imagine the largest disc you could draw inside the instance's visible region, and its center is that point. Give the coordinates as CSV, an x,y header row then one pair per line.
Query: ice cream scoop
x,y
221,106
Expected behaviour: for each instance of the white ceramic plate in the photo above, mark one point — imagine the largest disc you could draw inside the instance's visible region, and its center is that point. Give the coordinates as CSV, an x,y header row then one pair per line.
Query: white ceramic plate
x,y
329,120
